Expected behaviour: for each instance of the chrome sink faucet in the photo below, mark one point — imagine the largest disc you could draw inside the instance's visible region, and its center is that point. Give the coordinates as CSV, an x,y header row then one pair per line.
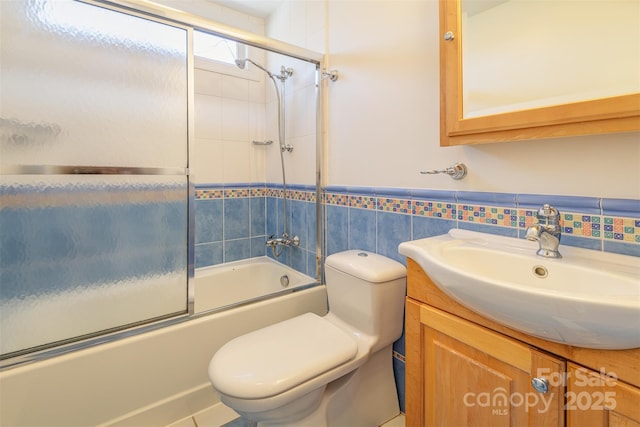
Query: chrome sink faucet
x,y
546,232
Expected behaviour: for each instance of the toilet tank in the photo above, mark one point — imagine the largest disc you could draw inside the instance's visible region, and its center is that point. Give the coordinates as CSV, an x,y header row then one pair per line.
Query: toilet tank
x,y
367,291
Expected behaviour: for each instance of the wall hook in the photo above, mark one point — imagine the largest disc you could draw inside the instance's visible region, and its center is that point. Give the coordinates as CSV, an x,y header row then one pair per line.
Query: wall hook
x,y
455,171
329,74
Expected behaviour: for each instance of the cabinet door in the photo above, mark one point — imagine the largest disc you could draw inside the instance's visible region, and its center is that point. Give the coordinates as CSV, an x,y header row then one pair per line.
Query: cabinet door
x,y
472,376
597,400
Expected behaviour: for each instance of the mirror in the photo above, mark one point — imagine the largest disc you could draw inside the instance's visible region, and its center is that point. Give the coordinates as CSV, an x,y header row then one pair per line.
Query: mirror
x,y
528,69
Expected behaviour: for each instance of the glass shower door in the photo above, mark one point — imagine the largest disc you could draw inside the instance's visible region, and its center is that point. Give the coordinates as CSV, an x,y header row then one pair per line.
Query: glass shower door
x,y
94,190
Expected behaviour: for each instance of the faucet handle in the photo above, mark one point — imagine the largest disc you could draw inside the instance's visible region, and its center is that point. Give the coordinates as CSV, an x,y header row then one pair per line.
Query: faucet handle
x,y
549,214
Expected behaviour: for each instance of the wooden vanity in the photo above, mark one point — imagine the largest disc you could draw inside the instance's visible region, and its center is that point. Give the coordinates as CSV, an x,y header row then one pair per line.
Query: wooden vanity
x,y
463,369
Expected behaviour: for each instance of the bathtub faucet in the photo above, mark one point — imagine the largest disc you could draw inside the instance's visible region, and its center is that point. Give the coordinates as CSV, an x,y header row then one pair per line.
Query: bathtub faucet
x,y
285,241
546,232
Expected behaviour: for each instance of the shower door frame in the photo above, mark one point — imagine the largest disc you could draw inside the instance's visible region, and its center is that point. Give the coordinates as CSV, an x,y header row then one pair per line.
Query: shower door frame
x,y
271,45
189,22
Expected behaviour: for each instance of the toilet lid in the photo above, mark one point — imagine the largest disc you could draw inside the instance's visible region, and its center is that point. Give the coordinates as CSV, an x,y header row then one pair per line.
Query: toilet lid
x,y
274,359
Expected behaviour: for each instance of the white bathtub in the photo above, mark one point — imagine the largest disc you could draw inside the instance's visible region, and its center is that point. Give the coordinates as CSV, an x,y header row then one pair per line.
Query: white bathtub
x,y
241,281
159,377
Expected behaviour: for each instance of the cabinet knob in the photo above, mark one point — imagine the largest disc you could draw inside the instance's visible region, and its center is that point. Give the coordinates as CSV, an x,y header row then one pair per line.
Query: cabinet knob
x,y
448,36
540,384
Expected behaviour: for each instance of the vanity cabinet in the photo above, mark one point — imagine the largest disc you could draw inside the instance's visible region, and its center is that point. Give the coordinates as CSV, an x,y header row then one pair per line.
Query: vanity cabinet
x,y
473,376
464,369
597,400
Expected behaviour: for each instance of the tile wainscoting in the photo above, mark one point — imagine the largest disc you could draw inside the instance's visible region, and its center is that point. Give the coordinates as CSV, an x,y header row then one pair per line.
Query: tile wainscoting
x,y
234,221
378,219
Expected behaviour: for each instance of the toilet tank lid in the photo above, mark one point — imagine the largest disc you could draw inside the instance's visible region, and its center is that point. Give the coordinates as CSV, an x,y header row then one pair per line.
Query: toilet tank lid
x,y
367,266
274,359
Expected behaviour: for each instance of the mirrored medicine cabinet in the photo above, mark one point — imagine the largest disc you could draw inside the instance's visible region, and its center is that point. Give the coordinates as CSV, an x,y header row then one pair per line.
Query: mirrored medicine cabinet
x,y
530,69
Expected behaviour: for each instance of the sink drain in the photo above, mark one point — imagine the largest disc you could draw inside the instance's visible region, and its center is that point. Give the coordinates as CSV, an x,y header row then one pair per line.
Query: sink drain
x,y
540,271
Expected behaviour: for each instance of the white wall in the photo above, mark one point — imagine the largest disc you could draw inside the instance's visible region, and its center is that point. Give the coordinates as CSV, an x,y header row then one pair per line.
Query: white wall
x,y
383,120
384,117
224,15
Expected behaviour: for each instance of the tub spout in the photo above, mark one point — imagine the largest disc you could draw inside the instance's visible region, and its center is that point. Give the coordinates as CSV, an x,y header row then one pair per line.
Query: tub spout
x,y
285,240
282,242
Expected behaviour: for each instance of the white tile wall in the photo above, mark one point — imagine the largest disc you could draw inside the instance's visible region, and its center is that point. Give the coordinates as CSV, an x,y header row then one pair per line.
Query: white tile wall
x,y
208,83
208,161
235,120
232,111
208,117
235,88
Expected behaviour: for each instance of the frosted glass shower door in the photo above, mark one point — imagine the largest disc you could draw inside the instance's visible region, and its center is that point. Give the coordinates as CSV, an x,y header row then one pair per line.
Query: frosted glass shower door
x,y
94,191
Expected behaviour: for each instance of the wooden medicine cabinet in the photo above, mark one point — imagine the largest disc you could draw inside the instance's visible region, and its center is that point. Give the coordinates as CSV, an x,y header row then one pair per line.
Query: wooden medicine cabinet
x,y
502,82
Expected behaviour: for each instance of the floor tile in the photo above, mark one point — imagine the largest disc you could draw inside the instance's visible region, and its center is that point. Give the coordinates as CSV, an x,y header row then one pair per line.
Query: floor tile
x,y
215,416
396,422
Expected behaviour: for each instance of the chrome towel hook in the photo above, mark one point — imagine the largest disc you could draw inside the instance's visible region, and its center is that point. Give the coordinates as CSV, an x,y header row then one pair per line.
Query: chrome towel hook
x,y
455,171
329,74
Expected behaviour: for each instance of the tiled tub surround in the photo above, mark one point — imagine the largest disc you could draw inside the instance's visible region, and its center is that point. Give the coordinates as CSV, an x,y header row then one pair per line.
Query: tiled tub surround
x,y
378,219
234,221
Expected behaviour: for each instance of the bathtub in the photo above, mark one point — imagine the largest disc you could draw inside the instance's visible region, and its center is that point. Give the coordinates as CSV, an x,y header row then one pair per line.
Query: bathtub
x,y
157,377
221,286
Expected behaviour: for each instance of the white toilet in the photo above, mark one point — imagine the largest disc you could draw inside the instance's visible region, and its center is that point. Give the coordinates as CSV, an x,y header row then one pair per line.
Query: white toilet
x,y
335,370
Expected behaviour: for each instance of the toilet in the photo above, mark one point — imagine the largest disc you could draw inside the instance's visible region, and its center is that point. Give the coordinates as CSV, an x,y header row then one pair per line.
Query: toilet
x,y
332,370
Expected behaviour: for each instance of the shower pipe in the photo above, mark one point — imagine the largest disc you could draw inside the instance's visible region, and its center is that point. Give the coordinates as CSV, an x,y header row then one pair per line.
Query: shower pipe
x,y
285,73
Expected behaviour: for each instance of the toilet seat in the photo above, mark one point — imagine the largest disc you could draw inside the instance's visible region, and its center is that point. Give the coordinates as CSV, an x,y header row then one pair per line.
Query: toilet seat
x,y
274,359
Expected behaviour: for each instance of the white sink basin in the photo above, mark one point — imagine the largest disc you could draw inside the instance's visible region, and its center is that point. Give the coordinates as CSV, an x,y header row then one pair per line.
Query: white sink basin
x,y
587,298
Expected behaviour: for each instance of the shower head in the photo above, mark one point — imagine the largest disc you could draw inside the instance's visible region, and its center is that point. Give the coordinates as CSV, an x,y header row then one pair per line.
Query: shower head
x,y
242,63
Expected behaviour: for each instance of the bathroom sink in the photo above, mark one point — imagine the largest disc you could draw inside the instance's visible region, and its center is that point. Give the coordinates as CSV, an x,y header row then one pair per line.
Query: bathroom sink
x,y
586,299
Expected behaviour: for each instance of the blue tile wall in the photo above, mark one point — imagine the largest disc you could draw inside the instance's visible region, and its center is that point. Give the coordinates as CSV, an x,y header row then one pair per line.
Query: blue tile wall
x,y
234,221
378,219
375,219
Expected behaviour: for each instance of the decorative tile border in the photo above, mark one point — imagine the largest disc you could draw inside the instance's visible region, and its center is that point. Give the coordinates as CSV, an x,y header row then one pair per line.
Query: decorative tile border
x,y
583,217
581,225
236,191
336,199
301,195
488,215
622,229
434,209
394,205
611,220
273,192
363,202
209,194
258,192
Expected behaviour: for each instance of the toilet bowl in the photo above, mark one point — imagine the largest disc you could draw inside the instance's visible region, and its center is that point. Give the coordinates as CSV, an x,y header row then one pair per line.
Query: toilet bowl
x,y
332,370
